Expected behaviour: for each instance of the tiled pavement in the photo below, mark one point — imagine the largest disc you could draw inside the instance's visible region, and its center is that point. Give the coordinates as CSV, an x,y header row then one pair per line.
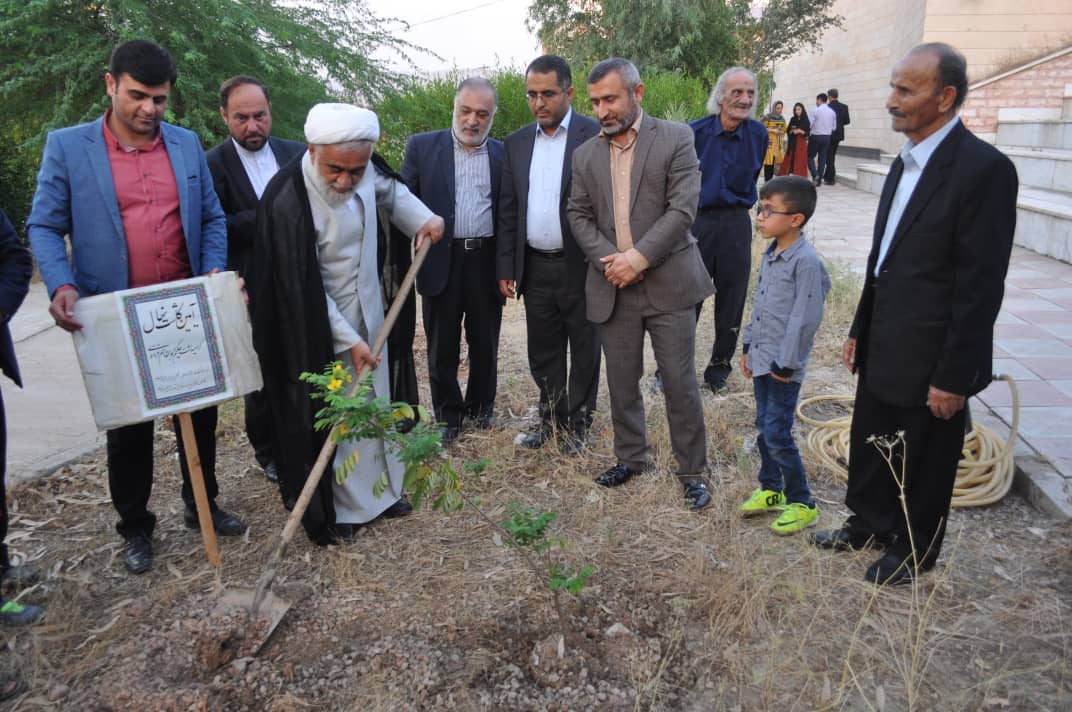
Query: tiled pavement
x,y
1032,339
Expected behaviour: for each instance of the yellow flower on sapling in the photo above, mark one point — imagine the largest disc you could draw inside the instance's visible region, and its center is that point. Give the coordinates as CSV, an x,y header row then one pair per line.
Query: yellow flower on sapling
x,y
343,429
334,384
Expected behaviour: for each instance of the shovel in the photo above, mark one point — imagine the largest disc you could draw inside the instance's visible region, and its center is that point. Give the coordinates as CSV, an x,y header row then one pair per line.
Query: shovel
x,y
254,600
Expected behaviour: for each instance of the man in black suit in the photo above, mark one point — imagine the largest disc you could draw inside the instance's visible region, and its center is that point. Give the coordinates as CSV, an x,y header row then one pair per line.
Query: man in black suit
x,y
241,167
538,257
923,334
842,113
16,268
456,172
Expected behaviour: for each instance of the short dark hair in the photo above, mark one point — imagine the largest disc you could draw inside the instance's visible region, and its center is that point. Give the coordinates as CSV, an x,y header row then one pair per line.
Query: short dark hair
x,y
547,63
821,97
625,69
145,62
833,93
952,68
233,83
797,192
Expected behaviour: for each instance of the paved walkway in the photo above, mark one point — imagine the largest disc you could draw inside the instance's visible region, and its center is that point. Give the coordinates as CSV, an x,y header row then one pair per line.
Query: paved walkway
x,y
1032,342
49,422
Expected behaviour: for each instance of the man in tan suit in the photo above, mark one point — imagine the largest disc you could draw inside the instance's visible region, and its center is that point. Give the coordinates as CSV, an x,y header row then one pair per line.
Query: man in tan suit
x,y
635,191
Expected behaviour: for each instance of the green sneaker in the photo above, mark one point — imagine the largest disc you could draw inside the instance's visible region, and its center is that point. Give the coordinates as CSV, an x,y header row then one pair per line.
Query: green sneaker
x,y
796,517
15,613
762,501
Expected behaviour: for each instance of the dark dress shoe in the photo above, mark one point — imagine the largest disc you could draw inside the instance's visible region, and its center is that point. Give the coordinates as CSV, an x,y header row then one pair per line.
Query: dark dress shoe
x,y
697,494
536,439
399,509
20,576
617,475
890,570
138,554
573,443
448,434
844,539
346,533
271,472
225,524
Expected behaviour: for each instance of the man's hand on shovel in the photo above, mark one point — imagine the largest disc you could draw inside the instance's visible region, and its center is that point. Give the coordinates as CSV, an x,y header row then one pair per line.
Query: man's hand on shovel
x,y
362,356
432,229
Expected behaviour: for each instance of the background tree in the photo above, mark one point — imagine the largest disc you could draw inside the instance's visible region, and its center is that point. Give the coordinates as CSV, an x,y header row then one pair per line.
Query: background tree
x,y
698,38
53,55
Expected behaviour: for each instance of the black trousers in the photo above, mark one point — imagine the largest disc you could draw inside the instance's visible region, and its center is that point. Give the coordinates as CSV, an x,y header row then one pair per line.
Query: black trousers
x,y
831,169
926,457
130,469
5,562
725,240
470,299
259,427
559,333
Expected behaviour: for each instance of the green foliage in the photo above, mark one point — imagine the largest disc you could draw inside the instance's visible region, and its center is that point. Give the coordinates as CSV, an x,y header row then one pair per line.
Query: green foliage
x,y
527,527
354,415
418,106
54,55
698,38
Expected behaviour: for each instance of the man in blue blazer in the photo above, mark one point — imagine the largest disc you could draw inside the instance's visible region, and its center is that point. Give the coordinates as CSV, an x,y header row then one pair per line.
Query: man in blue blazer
x,y
16,268
456,173
135,198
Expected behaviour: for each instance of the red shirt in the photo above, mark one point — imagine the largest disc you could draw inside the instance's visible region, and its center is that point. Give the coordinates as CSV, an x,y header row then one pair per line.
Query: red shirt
x,y
149,208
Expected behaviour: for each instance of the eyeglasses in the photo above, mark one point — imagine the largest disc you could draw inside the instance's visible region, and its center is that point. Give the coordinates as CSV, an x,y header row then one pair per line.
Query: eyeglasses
x,y
546,94
765,211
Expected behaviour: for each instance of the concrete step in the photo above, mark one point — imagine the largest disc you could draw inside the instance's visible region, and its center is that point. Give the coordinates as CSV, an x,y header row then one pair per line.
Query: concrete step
x,y
1043,217
1052,133
1044,222
1047,169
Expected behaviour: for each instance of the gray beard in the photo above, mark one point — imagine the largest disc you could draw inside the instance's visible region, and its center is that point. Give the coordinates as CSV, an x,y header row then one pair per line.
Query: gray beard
x,y
317,182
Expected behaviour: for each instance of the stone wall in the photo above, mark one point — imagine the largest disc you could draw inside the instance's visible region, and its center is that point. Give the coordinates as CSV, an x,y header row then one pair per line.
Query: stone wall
x,y
857,59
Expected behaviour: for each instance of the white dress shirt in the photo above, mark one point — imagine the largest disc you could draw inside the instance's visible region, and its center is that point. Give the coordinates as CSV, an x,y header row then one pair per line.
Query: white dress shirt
x,y
823,121
543,224
915,157
260,165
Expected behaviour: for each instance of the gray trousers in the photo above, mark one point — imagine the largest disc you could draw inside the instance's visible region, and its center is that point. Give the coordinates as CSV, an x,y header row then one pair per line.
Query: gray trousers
x,y
673,338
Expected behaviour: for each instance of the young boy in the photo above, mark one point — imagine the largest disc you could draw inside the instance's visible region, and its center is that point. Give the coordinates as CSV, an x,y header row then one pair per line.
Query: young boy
x,y
786,310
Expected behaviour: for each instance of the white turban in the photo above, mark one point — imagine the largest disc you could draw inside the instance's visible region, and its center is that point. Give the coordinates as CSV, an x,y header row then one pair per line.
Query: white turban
x,y
338,123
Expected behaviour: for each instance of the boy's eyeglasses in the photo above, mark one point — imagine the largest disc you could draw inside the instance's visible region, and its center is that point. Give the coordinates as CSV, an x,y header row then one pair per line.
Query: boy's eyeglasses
x,y
765,211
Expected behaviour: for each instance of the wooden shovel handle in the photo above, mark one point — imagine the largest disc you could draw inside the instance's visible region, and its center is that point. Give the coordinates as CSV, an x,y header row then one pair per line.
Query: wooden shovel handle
x,y
328,450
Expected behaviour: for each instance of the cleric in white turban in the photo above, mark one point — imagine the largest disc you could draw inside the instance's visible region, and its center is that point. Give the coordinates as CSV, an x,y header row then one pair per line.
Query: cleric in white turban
x,y
316,297
339,123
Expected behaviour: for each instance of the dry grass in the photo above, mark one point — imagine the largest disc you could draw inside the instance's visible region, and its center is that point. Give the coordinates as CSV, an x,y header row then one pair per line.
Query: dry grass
x,y
432,612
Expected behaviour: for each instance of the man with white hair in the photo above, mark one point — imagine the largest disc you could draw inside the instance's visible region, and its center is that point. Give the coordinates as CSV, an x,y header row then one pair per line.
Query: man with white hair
x,y
457,173
730,145
315,296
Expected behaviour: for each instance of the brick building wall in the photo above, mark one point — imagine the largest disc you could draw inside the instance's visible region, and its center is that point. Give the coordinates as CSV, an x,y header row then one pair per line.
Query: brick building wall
x,y
1041,86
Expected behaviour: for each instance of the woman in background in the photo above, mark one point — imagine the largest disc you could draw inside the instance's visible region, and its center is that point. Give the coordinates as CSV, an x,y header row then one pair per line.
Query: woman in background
x,y
775,123
796,156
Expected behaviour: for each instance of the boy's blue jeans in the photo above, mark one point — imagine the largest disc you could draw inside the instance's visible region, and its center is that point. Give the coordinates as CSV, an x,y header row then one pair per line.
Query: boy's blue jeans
x,y
781,469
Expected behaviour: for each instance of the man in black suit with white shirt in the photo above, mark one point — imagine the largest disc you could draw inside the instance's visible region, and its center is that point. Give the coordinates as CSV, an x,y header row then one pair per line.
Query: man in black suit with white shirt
x,y
241,166
537,256
922,338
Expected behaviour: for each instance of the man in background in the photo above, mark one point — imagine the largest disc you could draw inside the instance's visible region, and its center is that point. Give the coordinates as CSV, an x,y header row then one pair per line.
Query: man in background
x,y
241,166
538,257
841,112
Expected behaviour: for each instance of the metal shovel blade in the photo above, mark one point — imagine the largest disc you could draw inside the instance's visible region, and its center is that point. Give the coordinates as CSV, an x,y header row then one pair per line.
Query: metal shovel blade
x,y
271,610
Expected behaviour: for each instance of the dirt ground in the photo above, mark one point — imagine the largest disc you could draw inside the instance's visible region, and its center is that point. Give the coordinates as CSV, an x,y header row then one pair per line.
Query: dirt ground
x,y
432,612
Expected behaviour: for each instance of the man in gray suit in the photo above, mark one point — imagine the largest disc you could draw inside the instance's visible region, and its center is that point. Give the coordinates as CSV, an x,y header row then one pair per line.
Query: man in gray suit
x,y
635,191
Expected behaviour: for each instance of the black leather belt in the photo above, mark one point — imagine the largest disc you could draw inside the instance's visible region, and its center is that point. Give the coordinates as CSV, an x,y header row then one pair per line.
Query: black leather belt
x,y
723,209
546,254
472,244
